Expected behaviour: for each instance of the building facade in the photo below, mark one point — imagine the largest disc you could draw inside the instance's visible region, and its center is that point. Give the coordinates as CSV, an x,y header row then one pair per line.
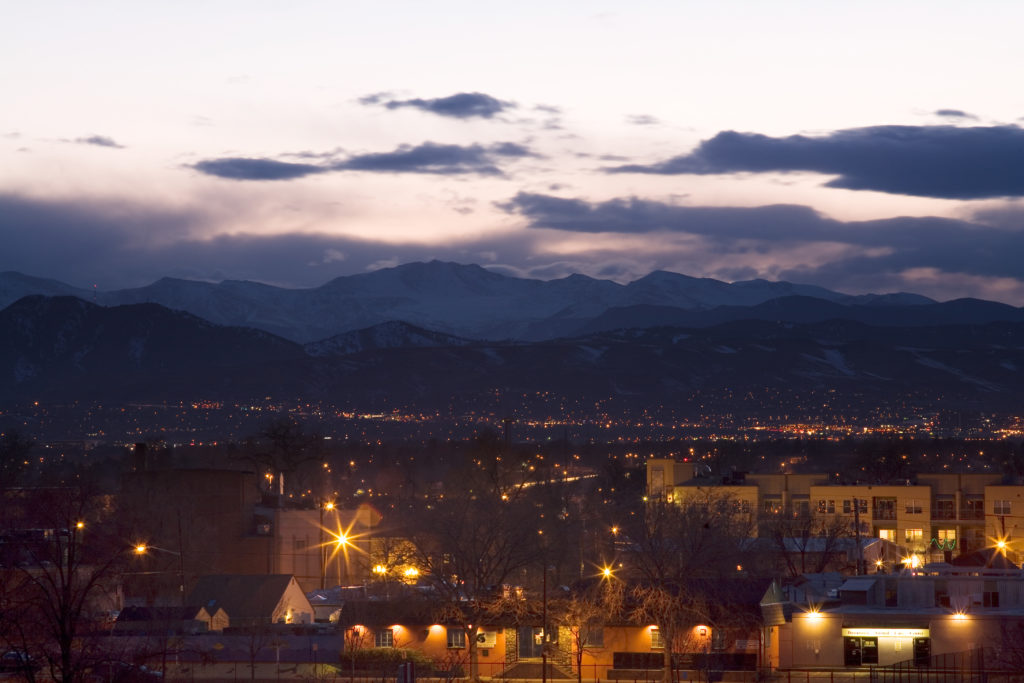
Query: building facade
x,y
933,516
932,616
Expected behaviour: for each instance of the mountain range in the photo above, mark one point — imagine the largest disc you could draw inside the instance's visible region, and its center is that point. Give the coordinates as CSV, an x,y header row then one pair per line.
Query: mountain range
x,y
66,349
471,302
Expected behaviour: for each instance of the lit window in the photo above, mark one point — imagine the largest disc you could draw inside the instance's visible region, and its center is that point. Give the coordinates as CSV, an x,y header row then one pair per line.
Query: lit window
x,y
384,638
593,636
456,638
887,535
914,535
656,642
946,534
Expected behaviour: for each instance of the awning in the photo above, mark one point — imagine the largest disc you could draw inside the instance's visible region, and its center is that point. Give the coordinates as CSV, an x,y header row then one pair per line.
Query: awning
x,y
884,621
859,584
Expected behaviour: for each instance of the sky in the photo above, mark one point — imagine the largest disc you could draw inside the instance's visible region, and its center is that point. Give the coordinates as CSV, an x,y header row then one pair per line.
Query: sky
x,y
863,147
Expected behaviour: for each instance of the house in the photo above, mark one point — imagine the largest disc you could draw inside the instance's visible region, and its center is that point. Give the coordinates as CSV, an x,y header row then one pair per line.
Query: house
x,y
181,620
515,643
252,599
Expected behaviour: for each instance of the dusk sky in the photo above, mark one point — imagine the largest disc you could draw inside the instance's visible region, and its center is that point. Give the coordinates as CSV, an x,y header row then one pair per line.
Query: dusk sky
x,y
860,146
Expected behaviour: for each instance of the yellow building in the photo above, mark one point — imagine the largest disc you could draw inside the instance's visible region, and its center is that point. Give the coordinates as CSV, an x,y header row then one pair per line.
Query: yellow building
x,y
933,516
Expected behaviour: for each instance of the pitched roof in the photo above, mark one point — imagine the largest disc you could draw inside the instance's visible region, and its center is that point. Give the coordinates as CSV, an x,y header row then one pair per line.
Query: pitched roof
x,y
242,596
160,613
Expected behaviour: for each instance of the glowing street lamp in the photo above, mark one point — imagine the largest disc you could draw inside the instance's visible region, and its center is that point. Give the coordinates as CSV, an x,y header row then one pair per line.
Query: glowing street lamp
x,y
341,539
144,548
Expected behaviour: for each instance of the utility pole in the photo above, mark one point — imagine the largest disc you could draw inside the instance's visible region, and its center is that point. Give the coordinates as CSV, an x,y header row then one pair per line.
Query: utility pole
x,y
856,535
544,626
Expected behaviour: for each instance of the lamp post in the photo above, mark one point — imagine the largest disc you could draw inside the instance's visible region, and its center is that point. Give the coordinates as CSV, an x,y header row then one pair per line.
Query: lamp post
x,y
544,628
144,548
329,506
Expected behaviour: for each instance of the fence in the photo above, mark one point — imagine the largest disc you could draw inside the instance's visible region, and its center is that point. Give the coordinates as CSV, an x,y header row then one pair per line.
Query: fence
x,y
271,672
981,665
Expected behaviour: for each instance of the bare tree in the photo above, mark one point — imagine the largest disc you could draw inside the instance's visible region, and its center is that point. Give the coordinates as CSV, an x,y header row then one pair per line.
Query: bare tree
x,y
680,553
473,538
64,559
583,615
285,448
805,541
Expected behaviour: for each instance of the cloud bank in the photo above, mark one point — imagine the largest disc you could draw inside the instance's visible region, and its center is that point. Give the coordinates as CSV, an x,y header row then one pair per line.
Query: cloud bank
x,y
947,162
119,244
428,158
879,246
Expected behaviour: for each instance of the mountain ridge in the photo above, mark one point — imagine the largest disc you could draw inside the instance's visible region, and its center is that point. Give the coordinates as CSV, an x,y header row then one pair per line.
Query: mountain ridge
x,y
67,349
472,302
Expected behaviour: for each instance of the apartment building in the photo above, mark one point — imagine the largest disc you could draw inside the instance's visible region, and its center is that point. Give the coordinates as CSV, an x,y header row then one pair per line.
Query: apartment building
x,y
935,517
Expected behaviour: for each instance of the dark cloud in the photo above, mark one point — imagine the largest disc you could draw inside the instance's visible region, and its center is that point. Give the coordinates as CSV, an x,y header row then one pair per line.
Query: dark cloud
x,y
126,245
930,161
511,149
895,244
429,157
243,168
83,242
955,114
119,244
99,141
463,105
633,215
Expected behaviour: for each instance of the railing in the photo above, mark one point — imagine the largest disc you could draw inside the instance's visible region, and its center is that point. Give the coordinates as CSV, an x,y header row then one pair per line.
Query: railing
x,y
982,665
972,514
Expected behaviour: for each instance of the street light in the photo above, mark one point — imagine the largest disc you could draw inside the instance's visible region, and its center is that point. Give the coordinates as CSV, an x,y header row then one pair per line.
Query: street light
x,y
144,548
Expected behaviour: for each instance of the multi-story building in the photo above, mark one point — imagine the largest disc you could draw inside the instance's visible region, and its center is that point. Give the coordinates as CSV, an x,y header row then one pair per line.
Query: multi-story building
x,y
934,617
196,522
933,516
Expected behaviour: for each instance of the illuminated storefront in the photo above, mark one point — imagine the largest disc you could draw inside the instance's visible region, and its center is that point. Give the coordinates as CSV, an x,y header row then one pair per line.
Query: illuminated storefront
x,y
863,645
